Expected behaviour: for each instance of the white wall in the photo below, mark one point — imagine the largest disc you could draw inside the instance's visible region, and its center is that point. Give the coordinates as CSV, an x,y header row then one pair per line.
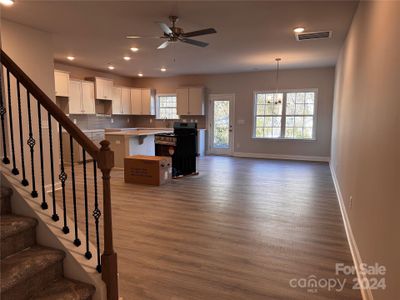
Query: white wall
x,y
32,51
366,136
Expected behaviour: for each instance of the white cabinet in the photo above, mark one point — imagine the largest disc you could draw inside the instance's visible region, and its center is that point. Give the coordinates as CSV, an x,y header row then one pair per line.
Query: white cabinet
x,y
104,88
81,99
116,101
182,101
61,79
121,101
190,101
142,102
88,101
126,101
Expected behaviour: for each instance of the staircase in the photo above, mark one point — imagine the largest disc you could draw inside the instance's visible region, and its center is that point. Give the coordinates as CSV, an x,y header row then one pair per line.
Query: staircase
x,y
34,133
28,270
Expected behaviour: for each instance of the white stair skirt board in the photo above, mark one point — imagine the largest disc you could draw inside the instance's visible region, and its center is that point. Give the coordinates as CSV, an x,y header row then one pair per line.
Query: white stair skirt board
x,y
365,293
283,157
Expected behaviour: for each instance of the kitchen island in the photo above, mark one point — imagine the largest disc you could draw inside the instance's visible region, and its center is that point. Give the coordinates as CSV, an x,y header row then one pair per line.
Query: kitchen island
x,y
132,142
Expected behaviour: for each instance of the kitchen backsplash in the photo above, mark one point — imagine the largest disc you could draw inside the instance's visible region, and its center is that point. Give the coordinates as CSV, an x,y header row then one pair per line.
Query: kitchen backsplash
x,y
117,121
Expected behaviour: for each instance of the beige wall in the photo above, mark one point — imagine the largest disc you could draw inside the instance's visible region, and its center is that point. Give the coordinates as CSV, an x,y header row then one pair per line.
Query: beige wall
x,y
243,86
366,136
32,51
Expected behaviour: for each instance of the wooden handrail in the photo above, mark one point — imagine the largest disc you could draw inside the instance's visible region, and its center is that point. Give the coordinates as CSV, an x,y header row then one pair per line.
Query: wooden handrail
x,y
50,106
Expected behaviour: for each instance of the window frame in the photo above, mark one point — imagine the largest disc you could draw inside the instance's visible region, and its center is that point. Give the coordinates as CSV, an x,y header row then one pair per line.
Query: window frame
x,y
283,115
158,105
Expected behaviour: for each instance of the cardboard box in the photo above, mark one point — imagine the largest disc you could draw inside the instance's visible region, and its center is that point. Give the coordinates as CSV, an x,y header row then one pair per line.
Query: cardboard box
x,y
153,170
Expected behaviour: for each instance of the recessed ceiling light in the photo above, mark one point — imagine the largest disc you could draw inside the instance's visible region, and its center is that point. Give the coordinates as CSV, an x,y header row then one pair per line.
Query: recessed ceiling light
x,y
134,49
127,58
111,67
163,69
71,58
298,29
140,74
7,2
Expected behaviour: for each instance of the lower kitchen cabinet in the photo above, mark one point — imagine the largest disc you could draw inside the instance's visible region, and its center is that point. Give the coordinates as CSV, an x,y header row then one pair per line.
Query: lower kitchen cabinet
x,y
95,135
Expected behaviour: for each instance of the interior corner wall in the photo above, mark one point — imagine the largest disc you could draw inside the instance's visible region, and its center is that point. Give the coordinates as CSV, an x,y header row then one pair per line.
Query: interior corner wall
x,y
243,85
365,153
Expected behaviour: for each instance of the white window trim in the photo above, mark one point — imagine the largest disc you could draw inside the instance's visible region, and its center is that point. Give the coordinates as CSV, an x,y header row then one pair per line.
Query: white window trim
x,y
158,105
283,124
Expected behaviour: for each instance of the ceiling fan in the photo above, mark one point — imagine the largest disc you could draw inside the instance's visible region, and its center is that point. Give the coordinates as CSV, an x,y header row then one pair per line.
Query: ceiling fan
x,y
176,34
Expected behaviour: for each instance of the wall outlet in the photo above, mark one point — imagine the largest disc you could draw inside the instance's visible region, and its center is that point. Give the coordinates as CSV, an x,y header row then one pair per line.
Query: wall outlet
x,y
350,202
151,120
74,121
112,120
128,120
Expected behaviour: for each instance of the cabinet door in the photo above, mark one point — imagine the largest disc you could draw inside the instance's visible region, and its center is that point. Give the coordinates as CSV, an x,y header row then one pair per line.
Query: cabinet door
x,y
75,97
104,88
136,101
196,101
126,101
61,83
116,101
147,102
88,102
182,102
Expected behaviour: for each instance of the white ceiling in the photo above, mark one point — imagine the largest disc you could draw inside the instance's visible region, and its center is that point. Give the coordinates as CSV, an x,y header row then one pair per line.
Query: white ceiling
x,y
250,35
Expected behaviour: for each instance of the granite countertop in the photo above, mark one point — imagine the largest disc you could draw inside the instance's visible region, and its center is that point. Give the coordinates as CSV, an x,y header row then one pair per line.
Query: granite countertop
x,y
139,132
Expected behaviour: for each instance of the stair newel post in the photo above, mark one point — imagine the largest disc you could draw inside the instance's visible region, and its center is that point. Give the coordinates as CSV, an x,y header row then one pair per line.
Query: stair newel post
x,y
105,162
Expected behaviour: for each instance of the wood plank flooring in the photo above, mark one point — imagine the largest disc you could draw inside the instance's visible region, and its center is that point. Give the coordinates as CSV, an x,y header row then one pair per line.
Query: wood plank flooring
x,y
242,229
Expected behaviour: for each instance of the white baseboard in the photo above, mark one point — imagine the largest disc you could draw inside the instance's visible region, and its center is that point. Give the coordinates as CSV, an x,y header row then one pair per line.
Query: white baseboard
x,y
281,156
355,253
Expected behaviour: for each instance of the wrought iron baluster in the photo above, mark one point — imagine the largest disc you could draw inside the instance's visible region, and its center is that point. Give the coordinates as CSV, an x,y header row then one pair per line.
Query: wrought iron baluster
x,y
88,254
44,203
24,181
77,241
96,215
14,170
53,190
63,177
3,111
31,143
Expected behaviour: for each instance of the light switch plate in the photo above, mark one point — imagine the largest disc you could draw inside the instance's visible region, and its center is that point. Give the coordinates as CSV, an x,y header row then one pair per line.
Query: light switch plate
x,y
112,120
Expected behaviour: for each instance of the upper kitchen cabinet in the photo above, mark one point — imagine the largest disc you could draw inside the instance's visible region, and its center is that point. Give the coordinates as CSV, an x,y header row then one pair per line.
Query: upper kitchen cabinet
x,y
142,101
81,99
62,83
103,88
190,101
121,101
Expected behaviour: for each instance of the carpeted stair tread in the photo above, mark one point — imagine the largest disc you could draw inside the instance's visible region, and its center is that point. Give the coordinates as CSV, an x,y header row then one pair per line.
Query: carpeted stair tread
x,y
12,225
5,202
17,268
66,289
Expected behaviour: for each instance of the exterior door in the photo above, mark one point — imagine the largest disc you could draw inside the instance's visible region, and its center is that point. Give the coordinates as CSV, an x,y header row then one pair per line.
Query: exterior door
x,y
221,112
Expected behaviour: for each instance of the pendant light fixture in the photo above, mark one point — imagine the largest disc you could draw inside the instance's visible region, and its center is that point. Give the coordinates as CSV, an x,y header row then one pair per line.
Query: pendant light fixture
x,y
278,60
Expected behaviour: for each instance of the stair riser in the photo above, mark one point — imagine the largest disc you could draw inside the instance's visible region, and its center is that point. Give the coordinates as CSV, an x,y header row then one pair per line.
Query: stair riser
x,y
34,284
5,205
18,242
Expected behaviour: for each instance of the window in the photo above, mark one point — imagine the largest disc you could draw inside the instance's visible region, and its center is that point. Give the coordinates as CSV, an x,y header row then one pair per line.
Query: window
x,y
286,115
166,107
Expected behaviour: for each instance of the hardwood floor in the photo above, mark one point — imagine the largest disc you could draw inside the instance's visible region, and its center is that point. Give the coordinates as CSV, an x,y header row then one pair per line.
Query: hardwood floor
x,y
242,229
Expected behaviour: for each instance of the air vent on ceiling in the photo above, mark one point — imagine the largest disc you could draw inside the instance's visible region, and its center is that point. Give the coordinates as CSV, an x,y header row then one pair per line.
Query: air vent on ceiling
x,y
306,36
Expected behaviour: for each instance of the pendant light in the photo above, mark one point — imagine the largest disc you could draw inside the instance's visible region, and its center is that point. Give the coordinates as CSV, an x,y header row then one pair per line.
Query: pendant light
x,y
278,60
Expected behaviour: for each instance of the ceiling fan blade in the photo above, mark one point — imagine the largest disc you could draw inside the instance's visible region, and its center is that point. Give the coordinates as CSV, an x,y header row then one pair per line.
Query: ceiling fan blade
x,y
163,45
141,37
199,32
194,42
165,28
